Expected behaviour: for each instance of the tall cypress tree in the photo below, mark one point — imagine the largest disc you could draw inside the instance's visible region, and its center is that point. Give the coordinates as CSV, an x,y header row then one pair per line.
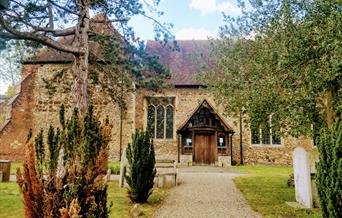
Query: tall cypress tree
x,y
329,171
141,159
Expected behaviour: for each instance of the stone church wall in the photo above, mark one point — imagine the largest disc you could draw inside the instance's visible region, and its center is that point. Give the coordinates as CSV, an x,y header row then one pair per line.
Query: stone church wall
x,y
187,100
52,83
45,87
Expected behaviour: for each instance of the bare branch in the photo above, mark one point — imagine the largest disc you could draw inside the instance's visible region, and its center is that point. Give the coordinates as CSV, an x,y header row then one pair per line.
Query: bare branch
x,y
64,8
111,21
56,33
51,23
157,22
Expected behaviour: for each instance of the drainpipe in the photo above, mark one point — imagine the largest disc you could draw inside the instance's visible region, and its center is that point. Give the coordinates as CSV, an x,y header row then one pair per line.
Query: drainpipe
x,y
241,149
121,117
231,147
178,147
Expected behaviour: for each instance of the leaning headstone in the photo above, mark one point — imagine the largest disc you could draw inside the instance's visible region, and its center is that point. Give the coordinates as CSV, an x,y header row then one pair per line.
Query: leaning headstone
x,y
302,178
123,167
314,158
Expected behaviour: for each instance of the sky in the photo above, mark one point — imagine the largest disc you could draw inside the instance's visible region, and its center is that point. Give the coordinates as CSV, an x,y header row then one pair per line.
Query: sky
x,y
192,19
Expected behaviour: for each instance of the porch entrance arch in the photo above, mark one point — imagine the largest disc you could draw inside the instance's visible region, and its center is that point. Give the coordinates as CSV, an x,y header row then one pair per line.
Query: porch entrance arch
x,y
205,136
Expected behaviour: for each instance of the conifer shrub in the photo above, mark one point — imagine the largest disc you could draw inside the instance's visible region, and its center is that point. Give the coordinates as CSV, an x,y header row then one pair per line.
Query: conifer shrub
x,y
63,176
141,173
329,171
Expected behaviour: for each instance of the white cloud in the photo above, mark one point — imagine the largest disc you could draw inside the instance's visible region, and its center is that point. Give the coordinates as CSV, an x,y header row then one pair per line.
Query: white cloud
x,y
193,33
211,6
3,87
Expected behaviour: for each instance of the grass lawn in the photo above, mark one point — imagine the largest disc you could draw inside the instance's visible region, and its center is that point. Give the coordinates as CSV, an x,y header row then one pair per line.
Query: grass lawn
x,y
266,191
114,166
15,165
11,205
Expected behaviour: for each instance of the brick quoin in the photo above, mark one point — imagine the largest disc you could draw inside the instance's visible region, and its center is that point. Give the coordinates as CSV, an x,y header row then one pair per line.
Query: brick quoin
x,y
13,135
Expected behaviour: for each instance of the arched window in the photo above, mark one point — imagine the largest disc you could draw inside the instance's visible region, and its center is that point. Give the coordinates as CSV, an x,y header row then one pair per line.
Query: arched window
x,y
151,117
169,122
160,122
160,118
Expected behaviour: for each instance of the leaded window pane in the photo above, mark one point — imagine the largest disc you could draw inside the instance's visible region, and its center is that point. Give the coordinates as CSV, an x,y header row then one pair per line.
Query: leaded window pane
x,y
160,122
151,117
276,136
169,122
255,135
275,130
266,135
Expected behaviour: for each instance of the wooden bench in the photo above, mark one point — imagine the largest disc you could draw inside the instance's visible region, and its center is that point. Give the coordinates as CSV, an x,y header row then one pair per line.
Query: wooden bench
x,y
166,168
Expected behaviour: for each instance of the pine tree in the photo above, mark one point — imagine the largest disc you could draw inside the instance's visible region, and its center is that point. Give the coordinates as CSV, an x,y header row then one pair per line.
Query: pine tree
x,y
141,159
329,171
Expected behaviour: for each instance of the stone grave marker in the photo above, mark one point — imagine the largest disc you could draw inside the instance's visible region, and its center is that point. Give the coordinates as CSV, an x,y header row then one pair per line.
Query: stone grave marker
x,y
302,178
123,168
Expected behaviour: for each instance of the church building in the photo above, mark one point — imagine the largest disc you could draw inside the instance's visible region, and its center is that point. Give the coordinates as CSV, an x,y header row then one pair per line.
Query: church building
x,y
187,124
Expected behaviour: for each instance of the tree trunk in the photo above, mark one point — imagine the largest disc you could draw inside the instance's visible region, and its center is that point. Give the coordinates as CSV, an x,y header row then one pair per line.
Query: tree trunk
x,y
80,65
79,86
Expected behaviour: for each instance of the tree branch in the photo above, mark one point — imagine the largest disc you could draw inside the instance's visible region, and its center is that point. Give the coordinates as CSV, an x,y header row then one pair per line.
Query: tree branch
x,y
51,23
157,22
15,34
64,8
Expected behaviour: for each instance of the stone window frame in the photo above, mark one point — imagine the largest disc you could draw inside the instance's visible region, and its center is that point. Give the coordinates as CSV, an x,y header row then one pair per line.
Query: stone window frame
x,y
261,144
165,121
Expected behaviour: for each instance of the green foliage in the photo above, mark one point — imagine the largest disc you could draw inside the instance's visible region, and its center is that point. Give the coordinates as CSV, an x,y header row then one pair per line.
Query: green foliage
x,y
141,159
283,57
329,170
62,116
114,167
92,139
53,145
124,63
40,152
11,91
279,57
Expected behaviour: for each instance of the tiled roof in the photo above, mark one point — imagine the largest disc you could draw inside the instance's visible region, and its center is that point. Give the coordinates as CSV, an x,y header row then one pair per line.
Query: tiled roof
x,y
185,62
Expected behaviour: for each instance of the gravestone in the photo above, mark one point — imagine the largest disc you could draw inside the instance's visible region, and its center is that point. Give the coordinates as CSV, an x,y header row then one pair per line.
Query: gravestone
x,y
302,177
123,168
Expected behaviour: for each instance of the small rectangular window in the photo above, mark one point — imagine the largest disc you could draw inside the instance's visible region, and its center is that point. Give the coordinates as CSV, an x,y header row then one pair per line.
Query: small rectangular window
x,y
221,144
267,135
187,143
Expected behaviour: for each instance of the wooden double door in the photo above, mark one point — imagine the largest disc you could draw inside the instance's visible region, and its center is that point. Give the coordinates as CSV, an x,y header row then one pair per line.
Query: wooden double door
x,y
204,149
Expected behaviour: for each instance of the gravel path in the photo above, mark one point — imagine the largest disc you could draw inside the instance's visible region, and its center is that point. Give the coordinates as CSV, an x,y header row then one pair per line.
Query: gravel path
x,y
205,192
